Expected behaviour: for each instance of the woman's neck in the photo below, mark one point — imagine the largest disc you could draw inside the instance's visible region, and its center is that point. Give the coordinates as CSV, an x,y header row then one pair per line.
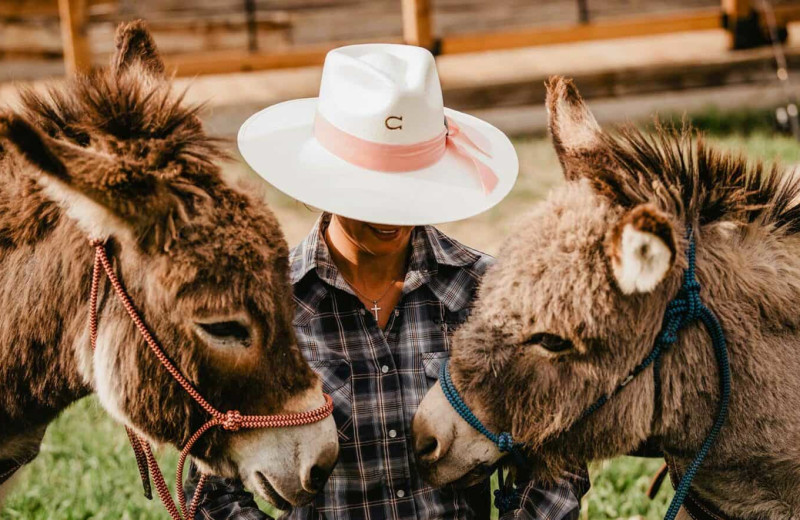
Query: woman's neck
x,y
371,273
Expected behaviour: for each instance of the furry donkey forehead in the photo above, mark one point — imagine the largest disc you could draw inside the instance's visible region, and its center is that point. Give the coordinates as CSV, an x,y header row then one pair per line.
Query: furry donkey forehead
x,y
234,233
226,261
555,266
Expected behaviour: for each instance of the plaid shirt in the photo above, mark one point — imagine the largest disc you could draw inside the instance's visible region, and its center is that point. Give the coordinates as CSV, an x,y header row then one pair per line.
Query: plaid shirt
x,y
377,379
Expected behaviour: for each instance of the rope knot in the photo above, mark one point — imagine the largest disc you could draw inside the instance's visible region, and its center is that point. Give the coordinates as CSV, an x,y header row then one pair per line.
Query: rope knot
x,y
685,308
692,286
96,242
505,442
232,421
506,501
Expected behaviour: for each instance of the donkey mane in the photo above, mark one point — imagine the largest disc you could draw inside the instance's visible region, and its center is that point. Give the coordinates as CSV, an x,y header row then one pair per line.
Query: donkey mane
x,y
121,106
673,166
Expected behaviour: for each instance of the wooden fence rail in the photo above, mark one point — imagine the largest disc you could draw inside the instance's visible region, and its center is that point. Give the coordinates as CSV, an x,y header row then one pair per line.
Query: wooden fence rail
x,y
738,17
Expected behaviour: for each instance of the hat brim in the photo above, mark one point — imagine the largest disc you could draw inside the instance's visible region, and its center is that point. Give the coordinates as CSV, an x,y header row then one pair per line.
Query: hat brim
x,y
278,143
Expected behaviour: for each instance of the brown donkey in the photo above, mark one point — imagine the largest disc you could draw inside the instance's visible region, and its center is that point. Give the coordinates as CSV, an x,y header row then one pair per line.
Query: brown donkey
x,y
116,156
578,296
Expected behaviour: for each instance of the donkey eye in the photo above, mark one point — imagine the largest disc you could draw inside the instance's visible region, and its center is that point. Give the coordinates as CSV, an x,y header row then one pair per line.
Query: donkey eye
x,y
549,342
226,333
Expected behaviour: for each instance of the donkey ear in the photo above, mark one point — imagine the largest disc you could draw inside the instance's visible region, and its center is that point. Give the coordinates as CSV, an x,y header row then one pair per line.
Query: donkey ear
x,y
135,45
45,153
641,249
82,181
573,128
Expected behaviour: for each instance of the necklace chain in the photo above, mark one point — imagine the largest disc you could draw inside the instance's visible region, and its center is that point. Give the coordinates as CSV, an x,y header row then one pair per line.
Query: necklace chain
x,y
373,300
375,308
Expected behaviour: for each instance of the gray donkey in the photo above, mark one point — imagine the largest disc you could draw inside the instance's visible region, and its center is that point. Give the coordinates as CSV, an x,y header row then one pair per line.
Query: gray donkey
x,y
116,156
578,297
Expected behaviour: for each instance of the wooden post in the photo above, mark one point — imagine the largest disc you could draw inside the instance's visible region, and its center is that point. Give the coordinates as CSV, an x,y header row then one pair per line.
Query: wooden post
x,y
417,23
74,16
743,25
738,8
252,25
583,11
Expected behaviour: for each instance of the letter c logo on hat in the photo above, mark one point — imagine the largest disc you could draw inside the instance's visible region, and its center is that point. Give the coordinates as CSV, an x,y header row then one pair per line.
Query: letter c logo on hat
x,y
392,125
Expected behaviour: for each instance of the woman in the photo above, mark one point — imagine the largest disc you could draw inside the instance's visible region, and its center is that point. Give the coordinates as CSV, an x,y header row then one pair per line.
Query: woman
x,y
378,290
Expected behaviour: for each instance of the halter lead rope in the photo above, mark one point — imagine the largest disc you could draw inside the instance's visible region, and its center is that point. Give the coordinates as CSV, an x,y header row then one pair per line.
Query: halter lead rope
x,y
231,420
683,310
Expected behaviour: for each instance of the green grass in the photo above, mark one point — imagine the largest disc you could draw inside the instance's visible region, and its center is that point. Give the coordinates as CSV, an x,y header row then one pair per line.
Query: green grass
x,y
86,469
740,122
619,490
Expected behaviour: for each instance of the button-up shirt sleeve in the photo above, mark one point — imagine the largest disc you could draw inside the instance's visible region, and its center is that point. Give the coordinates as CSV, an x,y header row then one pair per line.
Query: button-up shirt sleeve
x,y
222,498
558,501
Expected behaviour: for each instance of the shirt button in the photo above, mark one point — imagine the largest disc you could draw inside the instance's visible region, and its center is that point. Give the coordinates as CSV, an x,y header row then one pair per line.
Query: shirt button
x,y
385,368
362,311
392,433
397,312
400,493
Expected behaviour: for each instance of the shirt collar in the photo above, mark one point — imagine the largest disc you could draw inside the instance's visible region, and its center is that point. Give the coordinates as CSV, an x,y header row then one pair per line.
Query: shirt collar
x,y
313,254
445,250
430,249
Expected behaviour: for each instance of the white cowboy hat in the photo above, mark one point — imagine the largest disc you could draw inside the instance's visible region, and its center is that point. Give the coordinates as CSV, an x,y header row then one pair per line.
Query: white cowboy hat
x,y
378,145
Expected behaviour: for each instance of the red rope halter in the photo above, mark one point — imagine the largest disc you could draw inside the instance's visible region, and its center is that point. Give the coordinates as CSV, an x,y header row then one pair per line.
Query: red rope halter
x,y
231,420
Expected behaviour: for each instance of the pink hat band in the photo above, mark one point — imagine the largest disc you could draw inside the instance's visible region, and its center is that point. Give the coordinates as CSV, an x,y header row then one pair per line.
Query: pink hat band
x,y
396,158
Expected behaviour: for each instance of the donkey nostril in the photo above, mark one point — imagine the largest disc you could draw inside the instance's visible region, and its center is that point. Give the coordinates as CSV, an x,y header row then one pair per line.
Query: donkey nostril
x,y
317,478
428,449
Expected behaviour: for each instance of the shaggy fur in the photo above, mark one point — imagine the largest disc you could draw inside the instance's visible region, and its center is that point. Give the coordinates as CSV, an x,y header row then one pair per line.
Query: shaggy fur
x,y
117,155
554,275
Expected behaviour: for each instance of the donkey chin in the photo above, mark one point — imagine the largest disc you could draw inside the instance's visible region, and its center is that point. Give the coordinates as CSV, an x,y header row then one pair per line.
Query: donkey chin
x,y
286,466
448,449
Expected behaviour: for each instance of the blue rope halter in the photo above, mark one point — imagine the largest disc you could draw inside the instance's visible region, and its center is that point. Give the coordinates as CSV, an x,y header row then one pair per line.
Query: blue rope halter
x,y
683,310
504,441
503,499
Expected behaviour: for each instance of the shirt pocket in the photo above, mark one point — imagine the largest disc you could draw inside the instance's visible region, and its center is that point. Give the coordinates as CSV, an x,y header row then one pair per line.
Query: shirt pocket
x,y
431,364
449,322
335,375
